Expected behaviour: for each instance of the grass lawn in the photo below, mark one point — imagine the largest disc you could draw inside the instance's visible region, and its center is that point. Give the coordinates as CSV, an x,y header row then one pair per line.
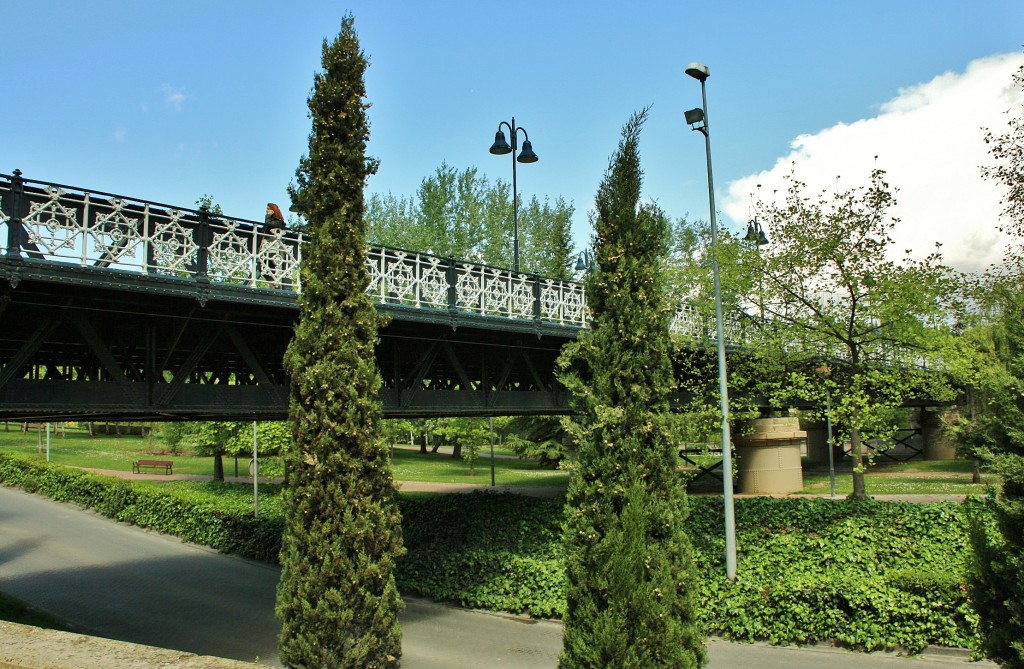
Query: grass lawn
x,y
78,449
118,453
914,477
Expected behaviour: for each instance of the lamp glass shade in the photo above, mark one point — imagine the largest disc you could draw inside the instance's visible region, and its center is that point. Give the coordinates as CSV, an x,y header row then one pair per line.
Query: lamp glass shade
x,y
698,71
500,146
694,116
527,155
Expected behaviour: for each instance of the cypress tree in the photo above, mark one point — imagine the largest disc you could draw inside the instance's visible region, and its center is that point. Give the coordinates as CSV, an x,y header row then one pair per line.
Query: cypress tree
x,y
631,580
337,599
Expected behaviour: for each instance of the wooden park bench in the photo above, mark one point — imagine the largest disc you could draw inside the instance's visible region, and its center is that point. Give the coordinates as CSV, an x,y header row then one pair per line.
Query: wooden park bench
x,y
138,465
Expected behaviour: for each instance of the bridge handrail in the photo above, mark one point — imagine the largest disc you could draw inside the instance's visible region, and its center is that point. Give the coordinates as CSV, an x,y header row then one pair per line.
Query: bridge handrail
x,y
95,229
87,228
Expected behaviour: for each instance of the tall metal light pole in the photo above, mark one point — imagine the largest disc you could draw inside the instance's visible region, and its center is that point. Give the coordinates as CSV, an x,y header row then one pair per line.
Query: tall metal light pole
x,y
502,147
694,116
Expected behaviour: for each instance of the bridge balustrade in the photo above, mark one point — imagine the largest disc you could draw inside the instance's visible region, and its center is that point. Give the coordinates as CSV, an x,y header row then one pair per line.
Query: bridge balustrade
x,y
65,224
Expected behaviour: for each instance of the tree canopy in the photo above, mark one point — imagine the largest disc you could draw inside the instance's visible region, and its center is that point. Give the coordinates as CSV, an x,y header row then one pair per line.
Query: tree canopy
x,y
462,214
844,315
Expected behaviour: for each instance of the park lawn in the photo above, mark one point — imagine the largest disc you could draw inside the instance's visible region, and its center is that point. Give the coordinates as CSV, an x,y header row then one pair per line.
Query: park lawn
x,y
442,468
913,477
117,453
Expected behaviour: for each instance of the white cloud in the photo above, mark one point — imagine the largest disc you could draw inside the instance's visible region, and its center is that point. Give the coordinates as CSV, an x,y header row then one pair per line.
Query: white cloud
x,y
929,139
174,97
120,134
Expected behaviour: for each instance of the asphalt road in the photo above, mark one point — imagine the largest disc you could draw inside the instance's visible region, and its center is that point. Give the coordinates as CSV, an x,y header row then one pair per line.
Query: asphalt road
x,y
119,581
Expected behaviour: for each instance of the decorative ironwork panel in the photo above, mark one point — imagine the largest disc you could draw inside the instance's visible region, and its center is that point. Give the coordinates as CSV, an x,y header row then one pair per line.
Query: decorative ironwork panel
x,y
172,244
277,260
231,253
563,302
404,277
116,232
54,226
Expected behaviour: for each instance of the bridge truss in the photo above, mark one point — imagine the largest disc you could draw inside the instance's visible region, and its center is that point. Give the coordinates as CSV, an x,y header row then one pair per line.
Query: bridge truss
x,y
126,309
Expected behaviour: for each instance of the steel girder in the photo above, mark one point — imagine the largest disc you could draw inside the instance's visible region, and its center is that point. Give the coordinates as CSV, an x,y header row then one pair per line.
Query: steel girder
x,y
77,344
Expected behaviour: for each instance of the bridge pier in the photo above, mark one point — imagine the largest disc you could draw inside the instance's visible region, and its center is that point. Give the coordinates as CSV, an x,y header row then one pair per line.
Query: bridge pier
x,y
937,443
769,456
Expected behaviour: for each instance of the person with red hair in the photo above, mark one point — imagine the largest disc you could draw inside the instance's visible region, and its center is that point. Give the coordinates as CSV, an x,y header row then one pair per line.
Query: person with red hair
x,y
273,226
274,220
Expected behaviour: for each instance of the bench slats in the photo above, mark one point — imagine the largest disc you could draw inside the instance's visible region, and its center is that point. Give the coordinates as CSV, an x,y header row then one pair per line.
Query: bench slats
x,y
167,465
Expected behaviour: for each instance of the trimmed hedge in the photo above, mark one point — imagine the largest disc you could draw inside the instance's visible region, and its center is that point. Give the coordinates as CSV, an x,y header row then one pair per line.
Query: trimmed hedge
x,y
871,575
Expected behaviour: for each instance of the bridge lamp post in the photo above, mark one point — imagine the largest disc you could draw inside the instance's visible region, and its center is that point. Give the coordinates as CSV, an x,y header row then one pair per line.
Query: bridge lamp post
x,y
755,235
500,148
585,262
693,117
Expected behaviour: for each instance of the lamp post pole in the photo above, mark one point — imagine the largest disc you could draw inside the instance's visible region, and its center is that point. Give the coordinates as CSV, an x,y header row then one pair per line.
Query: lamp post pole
x,y
825,372
502,147
700,73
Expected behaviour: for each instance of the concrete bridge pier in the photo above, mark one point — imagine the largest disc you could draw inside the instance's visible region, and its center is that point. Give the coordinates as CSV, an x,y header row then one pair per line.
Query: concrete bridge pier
x,y
768,452
937,442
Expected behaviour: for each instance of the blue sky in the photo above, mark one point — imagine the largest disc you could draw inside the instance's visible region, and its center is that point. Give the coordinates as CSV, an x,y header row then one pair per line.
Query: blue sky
x,y
171,101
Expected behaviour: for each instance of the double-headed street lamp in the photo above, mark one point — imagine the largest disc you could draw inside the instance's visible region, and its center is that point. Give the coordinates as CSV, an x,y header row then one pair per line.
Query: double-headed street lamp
x,y
693,117
502,147
755,235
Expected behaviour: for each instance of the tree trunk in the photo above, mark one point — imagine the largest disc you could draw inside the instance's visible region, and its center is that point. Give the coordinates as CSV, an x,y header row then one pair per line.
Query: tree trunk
x,y
976,471
457,451
218,466
857,453
423,444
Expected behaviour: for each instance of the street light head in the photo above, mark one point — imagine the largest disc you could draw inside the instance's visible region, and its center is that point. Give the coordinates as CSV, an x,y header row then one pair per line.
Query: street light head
x,y
694,116
751,233
755,234
526,155
698,71
500,146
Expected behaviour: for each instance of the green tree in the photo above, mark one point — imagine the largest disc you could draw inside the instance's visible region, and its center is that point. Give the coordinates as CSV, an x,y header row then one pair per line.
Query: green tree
x,y
994,428
462,214
833,294
994,431
337,599
203,438
631,581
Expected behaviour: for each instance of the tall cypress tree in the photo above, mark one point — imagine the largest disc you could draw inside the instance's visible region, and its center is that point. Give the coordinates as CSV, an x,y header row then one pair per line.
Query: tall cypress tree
x,y
337,599
631,581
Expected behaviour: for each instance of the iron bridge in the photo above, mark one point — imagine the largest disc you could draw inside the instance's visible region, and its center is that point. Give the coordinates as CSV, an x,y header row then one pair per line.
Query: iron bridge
x,y
124,309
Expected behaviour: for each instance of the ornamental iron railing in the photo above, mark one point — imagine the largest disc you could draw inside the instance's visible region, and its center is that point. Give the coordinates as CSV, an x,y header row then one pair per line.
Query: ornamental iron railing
x,y
91,229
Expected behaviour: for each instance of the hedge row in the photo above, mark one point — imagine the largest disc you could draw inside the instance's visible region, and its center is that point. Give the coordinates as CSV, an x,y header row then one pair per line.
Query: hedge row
x,y
872,575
